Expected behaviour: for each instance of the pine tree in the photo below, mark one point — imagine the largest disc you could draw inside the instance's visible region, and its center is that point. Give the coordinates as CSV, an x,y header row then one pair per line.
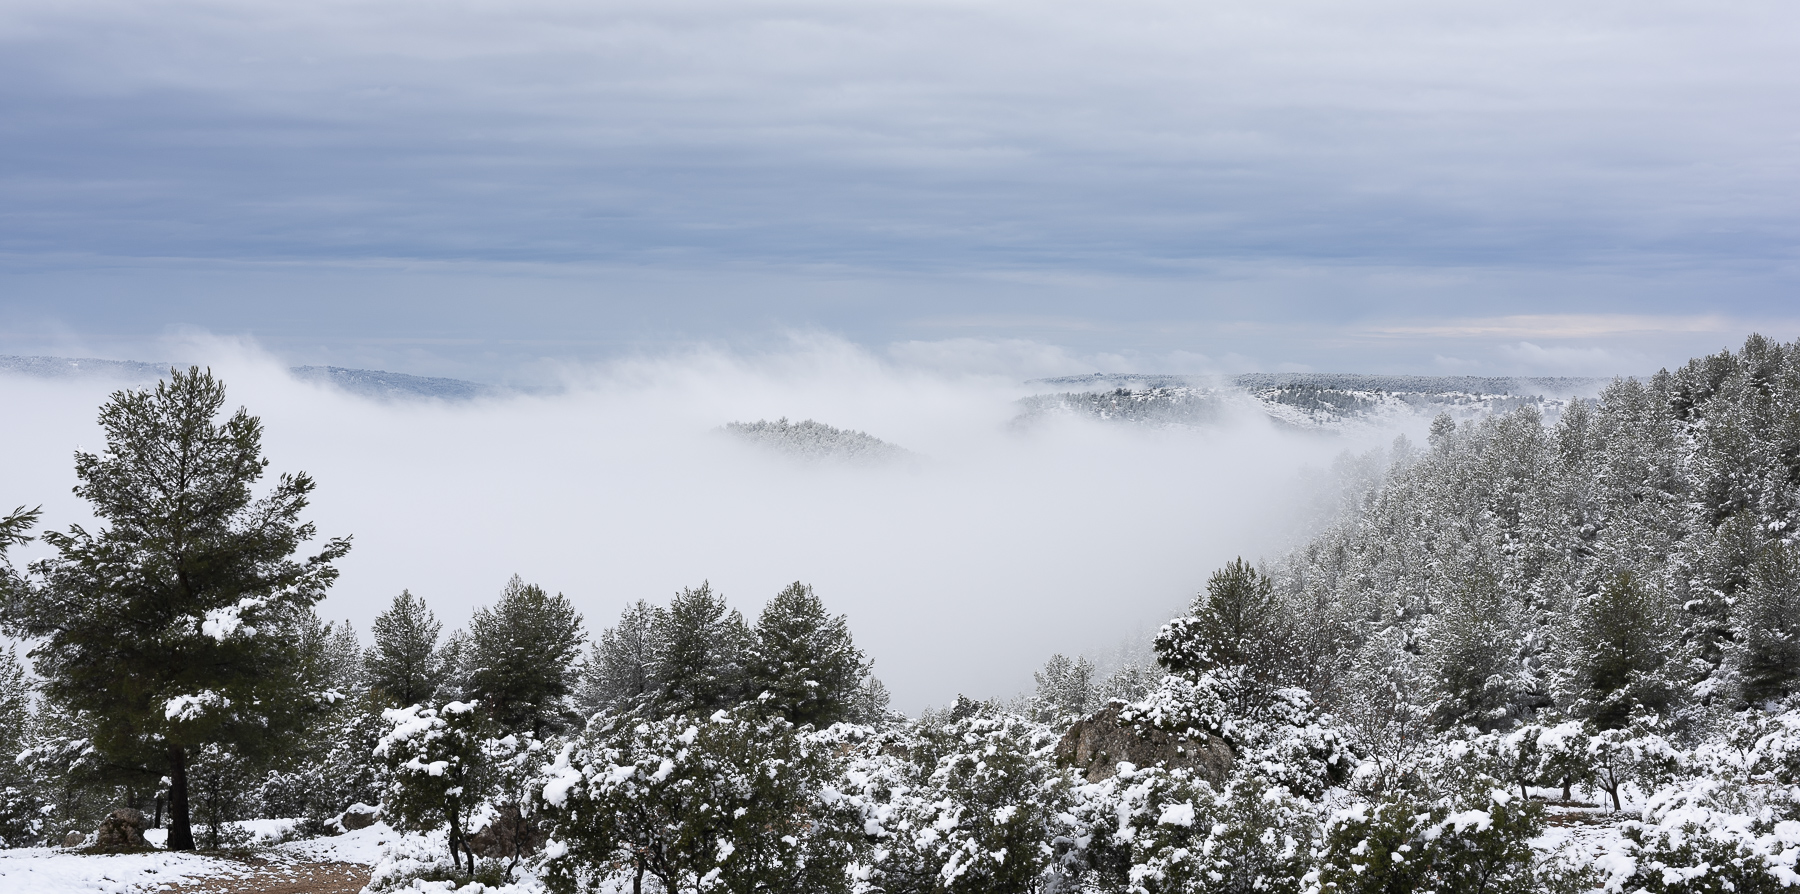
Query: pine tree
x,y
177,625
1769,627
701,665
1237,630
803,663
406,666
522,657
1065,689
1620,662
619,673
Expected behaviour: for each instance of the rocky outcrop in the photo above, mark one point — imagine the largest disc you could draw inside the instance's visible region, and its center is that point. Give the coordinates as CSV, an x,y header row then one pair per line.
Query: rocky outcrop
x,y
358,816
74,839
508,836
1096,746
123,829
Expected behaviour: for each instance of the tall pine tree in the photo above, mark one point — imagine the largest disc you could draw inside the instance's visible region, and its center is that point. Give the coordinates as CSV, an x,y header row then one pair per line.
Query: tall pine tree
x,y
176,626
522,657
406,666
804,660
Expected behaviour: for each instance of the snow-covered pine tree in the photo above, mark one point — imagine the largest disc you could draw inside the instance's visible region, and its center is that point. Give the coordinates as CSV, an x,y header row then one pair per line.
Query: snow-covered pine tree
x,y
803,663
1237,629
1621,658
701,665
619,673
1065,690
177,624
21,810
522,658
1768,627
406,666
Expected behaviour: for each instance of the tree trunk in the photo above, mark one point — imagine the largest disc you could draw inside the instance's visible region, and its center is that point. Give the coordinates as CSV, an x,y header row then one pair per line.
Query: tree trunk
x,y
181,831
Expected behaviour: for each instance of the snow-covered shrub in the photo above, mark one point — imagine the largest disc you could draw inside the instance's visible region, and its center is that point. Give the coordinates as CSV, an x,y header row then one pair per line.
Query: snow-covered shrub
x,y
1156,831
438,775
1636,755
736,802
968,805
1714,834
1402,844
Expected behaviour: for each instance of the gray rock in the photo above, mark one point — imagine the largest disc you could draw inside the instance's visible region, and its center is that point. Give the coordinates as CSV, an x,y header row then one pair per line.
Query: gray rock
x,y
74,839
508,836
359,816
1096,745
121,830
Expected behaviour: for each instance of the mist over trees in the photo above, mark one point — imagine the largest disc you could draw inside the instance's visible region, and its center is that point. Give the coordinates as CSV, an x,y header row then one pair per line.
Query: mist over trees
x,y
1593,618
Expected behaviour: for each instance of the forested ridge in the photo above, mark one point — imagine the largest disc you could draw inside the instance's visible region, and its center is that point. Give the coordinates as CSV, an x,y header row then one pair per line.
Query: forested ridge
x,y
1525,655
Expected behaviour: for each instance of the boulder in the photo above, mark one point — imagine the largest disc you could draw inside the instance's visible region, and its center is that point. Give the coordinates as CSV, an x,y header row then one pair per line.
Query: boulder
x,y
74,839
1097,744
359,816
123,829
507,836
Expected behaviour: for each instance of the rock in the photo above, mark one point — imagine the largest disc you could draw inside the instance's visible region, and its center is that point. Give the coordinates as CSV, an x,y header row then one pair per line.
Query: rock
x,y
74,839
1097,744
123,829
359,816
507,836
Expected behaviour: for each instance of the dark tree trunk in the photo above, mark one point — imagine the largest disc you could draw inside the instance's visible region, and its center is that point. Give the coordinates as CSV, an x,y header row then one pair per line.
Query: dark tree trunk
x,y
159,809
181,831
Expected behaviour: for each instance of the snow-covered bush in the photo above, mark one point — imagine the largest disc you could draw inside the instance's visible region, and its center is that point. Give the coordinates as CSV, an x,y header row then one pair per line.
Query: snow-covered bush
x,y
1714,834
438,772
1156,831
1403,844
972,806
736,802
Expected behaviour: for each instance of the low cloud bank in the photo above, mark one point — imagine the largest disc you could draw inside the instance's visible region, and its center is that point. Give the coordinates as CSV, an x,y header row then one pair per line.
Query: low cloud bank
x,y
961,569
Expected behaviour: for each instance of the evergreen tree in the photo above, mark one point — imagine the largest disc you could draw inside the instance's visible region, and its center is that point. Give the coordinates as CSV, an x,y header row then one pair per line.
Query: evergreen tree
x,y
522,657
701,665
620,671
1769,627
1472,649
1236,630
1065,689
177,625
406,666
1620,662
803,663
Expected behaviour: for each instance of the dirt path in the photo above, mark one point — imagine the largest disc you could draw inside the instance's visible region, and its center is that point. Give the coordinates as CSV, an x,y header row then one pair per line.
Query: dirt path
x,y
283,878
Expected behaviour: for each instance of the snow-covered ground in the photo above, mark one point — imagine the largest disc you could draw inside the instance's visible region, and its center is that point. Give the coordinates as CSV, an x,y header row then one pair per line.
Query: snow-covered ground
x,y
44,870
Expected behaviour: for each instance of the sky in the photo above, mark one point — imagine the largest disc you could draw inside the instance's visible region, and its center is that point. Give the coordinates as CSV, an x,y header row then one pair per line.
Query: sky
x,y
488,189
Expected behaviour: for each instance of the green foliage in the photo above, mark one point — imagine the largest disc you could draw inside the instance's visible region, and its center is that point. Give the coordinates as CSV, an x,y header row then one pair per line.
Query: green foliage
x,y
178,624
803,663
738,802
438,770
703,645
522,658
1401,845
406,666
1769,627
1066,691
1155,831
1620,653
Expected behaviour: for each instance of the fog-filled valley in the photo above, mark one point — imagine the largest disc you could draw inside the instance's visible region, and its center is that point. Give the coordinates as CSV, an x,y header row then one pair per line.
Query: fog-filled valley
x,y
821,620
1005,536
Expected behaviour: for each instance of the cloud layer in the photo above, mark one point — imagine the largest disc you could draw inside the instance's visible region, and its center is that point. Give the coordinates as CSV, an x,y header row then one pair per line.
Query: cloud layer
x,y
961,572
1115,175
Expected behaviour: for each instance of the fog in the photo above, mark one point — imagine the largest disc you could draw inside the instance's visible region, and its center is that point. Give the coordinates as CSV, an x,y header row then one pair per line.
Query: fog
x,y
960,572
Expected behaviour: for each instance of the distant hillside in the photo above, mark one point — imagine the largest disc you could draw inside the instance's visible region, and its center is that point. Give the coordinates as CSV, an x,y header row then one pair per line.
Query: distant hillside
x,y
1312,401
363,382
816,440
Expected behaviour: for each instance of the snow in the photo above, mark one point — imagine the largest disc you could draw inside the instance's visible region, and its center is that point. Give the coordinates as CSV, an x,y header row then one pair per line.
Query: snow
x,y
46,870
190,707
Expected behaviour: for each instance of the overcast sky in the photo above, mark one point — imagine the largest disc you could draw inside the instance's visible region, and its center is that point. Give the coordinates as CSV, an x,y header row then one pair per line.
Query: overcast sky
x,y
468,188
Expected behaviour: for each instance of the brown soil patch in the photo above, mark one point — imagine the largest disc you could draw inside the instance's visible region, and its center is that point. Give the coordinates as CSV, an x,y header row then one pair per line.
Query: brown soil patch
x,y
284,878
